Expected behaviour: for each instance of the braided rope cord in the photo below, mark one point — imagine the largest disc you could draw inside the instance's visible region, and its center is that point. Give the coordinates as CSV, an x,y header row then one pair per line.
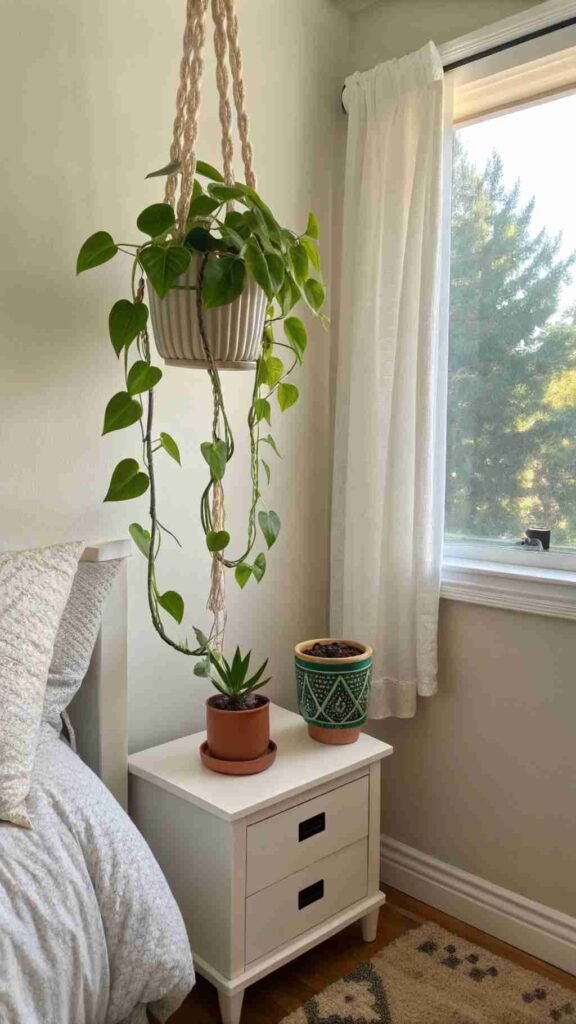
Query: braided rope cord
x,y
238,90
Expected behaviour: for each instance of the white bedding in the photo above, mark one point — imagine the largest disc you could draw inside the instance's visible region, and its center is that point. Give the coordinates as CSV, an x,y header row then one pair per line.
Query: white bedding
x,y
89,931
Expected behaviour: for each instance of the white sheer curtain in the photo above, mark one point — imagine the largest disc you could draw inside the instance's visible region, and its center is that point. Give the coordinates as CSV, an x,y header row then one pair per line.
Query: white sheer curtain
x,y
388,490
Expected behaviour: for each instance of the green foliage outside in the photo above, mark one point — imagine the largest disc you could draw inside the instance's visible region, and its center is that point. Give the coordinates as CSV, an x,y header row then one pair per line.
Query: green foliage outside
x,y
512,371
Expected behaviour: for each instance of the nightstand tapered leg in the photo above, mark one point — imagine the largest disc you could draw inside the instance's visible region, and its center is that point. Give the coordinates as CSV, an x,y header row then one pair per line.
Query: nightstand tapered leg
x,y
230,1006
370,925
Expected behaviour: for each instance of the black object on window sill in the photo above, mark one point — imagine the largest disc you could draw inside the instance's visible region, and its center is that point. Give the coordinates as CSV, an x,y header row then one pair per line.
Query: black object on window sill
x,y
536,539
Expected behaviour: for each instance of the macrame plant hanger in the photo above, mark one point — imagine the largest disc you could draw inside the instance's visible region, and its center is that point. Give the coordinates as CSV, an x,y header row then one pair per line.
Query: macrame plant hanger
x,y
183,154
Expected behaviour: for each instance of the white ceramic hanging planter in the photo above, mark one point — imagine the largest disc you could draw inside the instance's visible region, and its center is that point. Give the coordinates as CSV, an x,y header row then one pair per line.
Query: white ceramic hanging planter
x,y
234,331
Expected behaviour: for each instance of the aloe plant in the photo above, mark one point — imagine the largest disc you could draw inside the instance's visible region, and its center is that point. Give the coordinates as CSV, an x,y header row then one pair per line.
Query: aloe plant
x,y
231,679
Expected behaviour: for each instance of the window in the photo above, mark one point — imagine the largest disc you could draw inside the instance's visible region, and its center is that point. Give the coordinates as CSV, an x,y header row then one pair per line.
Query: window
x,y
511,446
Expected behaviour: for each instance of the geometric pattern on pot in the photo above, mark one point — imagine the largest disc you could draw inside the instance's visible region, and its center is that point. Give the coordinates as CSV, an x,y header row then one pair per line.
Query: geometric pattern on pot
x,y
334,698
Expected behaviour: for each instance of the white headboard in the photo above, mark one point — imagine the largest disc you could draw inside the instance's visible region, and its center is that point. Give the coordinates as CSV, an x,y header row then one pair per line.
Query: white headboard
x,y
99,710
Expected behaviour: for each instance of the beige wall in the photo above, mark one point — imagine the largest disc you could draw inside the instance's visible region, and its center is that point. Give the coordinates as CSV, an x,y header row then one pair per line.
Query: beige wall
x,y
484,777
87,96
391,28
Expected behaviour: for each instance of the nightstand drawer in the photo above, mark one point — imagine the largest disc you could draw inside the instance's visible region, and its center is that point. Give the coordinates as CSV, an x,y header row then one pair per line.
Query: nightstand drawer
x,y
279,913
291,840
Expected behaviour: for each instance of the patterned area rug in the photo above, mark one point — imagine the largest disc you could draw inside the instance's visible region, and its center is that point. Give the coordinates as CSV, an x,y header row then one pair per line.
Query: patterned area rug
x,y
429,976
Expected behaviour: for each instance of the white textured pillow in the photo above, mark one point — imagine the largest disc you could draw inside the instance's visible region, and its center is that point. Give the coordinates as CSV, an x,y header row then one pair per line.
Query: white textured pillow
x,y
77,635
34,587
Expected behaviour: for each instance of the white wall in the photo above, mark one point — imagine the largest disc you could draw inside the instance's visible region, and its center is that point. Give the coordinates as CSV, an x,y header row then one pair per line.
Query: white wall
x,y
483,777
87,96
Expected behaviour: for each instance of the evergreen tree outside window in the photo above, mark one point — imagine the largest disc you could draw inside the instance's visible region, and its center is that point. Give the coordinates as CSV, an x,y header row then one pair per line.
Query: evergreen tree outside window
x,y
511,453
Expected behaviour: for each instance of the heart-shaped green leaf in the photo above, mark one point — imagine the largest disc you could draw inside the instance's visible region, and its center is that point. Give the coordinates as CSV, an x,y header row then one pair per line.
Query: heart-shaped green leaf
x,y
200,239
224,280
203,206
312,251
127,482
97,249
172,603
259,567
169,445
142,377
300,262
170,168
216,454
276,270
312,227
207,171
287,395
217,540
258,267
288,295
156,219
225,193
164,265
121,411
270,440
271,370
141,538
237,221
262,410
296,336
126,321
315,293
242,574
270,526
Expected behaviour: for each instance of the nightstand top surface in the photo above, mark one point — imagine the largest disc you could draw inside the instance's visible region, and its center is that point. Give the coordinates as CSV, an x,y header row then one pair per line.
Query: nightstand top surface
x,y
301,764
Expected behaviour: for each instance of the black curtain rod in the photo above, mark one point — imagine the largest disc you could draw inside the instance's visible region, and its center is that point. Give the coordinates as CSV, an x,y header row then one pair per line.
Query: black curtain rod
x,y
501,46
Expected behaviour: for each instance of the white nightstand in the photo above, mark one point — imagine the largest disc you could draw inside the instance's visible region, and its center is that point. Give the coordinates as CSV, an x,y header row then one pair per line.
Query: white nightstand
x,y
266,866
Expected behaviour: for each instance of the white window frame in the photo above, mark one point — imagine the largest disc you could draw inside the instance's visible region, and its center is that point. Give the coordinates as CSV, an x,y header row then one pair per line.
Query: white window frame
x,y
484,571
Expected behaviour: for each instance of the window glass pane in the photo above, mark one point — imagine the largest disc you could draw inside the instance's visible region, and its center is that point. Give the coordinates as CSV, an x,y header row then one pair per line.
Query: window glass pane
x,y
512,378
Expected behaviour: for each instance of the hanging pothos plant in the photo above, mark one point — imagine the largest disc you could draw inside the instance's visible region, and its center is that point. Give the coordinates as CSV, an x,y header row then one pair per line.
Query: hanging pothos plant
x,y
233,246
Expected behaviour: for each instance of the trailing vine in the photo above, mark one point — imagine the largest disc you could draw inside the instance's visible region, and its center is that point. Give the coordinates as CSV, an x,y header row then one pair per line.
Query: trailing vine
x,y
231,247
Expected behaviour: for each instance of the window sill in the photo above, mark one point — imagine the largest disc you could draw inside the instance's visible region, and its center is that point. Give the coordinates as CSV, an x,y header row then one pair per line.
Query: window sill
x,y
516,587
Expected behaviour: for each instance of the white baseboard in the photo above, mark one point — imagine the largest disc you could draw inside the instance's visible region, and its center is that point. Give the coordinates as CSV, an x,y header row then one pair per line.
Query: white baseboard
x,y
542,931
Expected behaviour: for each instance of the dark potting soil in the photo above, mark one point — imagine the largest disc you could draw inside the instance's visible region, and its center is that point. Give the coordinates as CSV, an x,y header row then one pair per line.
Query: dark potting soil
x,y
333,650
248,703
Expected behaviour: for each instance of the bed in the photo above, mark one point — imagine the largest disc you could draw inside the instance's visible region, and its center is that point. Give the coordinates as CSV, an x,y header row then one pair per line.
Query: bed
x,y
89,931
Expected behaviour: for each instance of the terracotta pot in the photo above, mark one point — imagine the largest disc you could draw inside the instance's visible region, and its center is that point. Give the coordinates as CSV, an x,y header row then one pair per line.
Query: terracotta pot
x,y
238,735
333,692
234,331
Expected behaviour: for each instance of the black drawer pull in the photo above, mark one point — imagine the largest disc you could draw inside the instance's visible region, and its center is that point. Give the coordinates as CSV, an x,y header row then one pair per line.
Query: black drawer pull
x,y
311,827
310,894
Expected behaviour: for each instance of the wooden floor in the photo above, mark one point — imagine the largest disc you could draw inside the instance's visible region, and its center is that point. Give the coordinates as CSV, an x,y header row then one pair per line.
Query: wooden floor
x,y
269,1000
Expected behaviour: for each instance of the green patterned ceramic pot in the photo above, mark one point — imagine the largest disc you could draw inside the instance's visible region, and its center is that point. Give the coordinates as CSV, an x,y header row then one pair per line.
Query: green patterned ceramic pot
x,y
333,692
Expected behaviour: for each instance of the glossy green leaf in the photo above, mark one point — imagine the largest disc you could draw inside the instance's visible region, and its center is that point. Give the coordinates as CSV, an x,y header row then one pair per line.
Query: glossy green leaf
x,y
121,411
288,295
271,370
163,172
169,445
270,526
259,567
225,193
287,395
296,336
300,262
315,293
200,239
172,603
270,440
242,574
217,540
156,219
142,377
215,453
126,321
313,254
201,638
237,221
141,538
266,469
262,410
203,206
312,227
164,265
276,270
224,279
258,267
127,482
207,171
97,249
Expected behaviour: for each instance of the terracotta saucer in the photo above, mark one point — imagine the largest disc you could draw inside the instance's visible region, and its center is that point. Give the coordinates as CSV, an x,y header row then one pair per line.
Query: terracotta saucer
x,y
260,764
